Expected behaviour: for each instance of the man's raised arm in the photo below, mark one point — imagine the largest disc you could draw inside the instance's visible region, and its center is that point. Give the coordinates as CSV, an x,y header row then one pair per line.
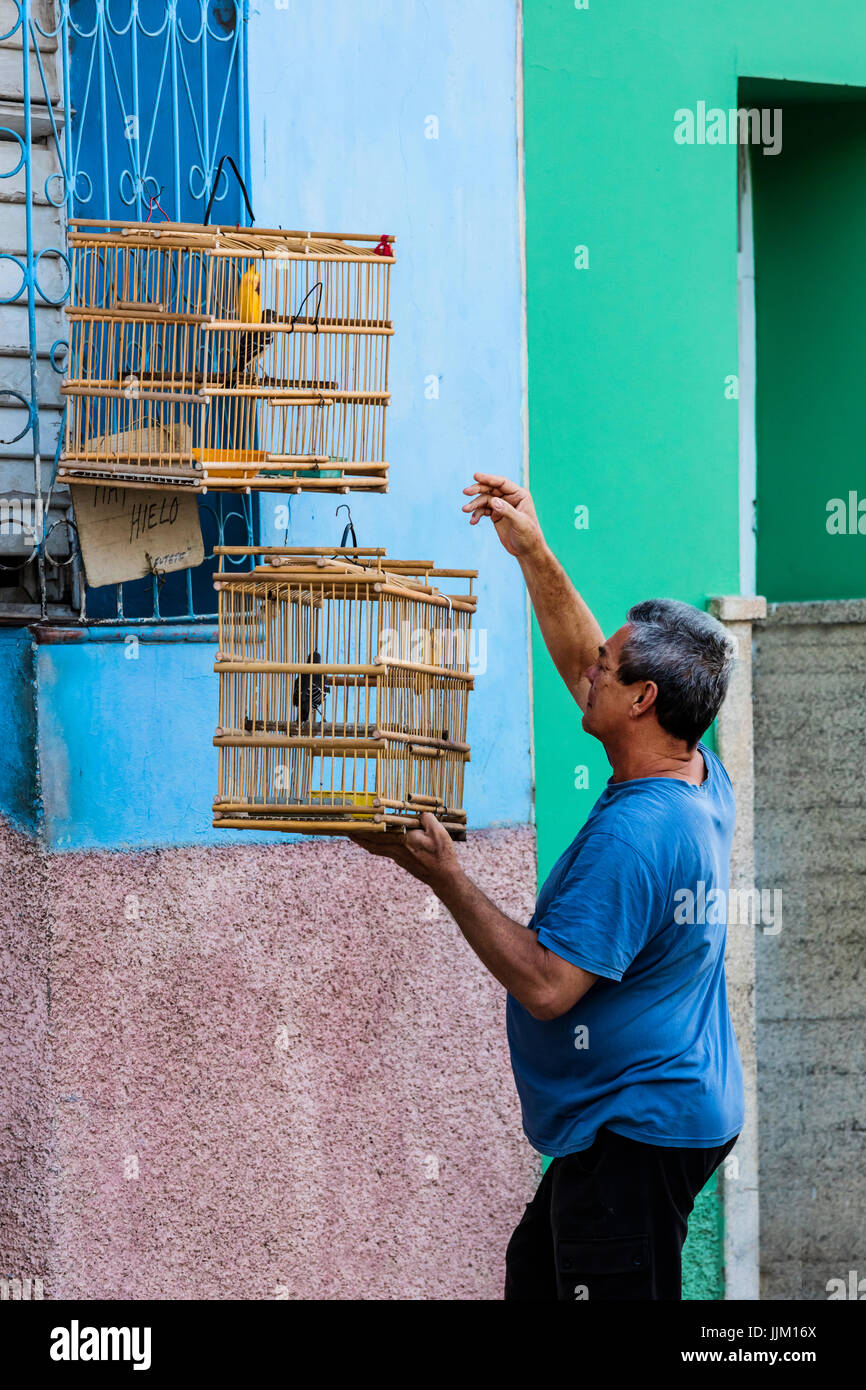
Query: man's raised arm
x,y
571,633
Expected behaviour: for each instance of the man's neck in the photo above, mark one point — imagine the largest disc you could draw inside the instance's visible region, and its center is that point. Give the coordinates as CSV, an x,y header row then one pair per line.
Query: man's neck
x,y
681,763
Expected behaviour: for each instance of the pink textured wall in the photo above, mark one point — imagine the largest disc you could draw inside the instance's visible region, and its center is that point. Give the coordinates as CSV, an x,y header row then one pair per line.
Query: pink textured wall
x,y
26,1093
277,1072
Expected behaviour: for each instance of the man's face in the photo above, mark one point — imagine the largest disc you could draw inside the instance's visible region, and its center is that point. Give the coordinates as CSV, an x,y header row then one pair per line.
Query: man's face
x,y
608,702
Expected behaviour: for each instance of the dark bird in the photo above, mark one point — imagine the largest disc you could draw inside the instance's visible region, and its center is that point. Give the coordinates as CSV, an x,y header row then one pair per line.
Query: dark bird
x,y
251,346
308,692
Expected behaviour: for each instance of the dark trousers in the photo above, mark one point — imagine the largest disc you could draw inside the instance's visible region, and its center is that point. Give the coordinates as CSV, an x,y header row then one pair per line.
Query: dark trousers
x,y
609,1223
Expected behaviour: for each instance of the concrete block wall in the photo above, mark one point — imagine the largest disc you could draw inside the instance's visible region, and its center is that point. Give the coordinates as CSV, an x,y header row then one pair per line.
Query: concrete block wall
x,y
735,743
810,828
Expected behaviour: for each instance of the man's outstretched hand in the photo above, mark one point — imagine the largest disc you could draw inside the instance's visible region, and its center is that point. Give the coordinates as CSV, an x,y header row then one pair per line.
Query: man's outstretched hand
x,y
511,510
428,853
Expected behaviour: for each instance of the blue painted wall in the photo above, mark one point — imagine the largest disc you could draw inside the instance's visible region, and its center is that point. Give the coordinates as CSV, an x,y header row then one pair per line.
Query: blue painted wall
x,y
125,723
338,114
124,737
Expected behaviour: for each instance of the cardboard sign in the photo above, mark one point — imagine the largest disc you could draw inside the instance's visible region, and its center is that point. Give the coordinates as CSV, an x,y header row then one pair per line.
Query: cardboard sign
x,y
128,533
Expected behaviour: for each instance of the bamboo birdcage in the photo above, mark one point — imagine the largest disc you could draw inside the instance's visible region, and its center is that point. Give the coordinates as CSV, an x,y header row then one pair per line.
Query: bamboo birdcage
x,y
344,686
228,358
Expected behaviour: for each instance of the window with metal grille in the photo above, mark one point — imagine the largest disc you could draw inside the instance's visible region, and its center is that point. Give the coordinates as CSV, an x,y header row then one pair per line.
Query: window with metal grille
x,y
125,111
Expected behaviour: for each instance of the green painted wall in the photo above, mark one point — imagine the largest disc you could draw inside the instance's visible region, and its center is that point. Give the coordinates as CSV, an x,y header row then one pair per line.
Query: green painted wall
x,y
810,270
703,1275
630,412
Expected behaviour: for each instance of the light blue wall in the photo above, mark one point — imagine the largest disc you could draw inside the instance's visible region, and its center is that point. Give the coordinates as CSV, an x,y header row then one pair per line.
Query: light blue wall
x,y
125,727
338,116
337,122
125,742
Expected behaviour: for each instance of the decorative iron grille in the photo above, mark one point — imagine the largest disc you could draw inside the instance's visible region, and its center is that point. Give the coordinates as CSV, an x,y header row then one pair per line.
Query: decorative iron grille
x,y
125,111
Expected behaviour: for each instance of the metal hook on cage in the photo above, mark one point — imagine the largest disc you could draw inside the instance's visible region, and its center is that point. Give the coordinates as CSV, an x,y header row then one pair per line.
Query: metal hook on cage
x,y
450,631
294,319
447,598
153,200
348,529
226,158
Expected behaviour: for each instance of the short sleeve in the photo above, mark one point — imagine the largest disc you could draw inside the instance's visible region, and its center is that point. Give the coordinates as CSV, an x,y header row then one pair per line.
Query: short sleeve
x,y
607,907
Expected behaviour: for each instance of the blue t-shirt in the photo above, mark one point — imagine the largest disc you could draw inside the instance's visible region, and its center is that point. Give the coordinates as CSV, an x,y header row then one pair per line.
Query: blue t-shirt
x,y
639,898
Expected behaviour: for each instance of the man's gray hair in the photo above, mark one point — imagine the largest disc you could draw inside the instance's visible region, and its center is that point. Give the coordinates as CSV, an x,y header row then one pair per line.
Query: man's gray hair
x,y
689,656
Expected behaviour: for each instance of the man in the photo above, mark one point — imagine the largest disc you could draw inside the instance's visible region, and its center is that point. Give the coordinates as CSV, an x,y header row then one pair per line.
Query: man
x,y
621,1042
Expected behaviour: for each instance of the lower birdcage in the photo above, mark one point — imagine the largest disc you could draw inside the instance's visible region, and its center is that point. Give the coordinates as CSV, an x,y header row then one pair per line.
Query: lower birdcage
x,y
344,688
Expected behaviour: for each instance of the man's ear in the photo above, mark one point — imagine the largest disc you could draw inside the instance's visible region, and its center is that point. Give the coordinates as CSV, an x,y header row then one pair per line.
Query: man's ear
x,y
645,700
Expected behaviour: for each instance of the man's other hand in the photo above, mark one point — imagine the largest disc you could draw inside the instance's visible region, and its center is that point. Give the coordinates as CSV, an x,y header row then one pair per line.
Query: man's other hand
x,y
427,853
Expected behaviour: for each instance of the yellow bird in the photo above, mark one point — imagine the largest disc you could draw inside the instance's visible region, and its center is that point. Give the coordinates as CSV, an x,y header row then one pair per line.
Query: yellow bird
x,y
250,345
249,297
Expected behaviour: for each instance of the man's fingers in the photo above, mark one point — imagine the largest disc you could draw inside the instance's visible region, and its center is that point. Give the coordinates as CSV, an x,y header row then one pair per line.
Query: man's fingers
x,y
432,827
495,507
488,483
494,480
419,844
365,842
410,848
422,841
486,501
478,509
390,847
378,844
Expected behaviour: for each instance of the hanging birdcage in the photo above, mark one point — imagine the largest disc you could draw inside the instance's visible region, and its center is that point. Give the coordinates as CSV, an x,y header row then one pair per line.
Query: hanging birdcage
x,y
344,686
227,358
